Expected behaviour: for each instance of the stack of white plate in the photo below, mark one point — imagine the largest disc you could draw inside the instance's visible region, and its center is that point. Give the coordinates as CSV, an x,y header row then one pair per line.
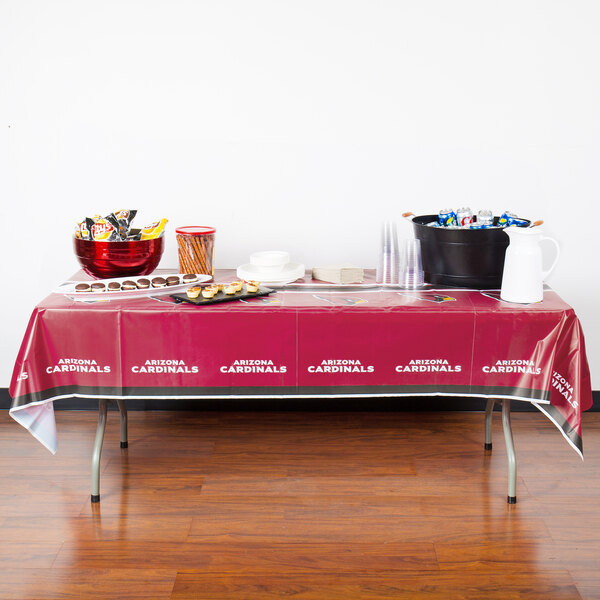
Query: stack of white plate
x,y
271,267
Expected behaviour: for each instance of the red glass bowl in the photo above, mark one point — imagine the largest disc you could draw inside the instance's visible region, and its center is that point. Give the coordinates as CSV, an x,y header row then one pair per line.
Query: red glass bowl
x,y
118,259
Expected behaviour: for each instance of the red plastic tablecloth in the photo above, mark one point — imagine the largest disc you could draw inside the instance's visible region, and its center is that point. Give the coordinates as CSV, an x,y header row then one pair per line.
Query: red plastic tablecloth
x,y
310,342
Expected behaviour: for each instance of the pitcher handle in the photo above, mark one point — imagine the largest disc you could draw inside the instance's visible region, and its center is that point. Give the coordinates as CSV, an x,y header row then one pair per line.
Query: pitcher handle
x,y
546,273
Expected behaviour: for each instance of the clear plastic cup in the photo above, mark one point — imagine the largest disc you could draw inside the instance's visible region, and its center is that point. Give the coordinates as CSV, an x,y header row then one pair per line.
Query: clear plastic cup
x,y
411,268
389,256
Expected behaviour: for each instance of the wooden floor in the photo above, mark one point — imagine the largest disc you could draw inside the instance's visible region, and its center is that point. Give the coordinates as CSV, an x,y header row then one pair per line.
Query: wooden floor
x,y
299,505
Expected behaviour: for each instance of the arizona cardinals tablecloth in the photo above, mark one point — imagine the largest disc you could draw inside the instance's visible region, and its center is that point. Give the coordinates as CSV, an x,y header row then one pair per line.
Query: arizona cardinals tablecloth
x,y
304,342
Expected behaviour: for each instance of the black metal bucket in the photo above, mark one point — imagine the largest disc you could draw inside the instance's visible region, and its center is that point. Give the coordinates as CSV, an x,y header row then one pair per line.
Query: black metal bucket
x,y
472,258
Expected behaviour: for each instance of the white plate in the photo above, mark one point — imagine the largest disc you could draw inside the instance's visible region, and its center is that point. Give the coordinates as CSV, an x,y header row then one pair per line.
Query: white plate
x,y
68,289
289,273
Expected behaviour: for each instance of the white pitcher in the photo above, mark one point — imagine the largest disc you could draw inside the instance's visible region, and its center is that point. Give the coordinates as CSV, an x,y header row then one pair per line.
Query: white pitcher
x,y
523,277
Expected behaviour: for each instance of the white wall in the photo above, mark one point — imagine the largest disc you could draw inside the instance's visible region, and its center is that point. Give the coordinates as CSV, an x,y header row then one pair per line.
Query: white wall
x,y
297,125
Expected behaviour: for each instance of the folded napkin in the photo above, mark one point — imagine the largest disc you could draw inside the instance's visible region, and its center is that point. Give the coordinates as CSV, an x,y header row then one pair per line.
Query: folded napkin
x,y
342,274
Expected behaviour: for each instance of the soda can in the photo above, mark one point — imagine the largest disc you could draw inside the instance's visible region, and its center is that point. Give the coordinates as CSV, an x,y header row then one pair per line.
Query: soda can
x,y
485,217
506,218
464,216
481,226
509,219
517,222
447,217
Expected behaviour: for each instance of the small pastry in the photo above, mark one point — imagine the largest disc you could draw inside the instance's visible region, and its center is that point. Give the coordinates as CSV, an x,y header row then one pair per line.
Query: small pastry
x,y
82,287
98,287
190,278
193,292
230,289
159,282
220,286
238,285
143,283
173,280
208,292
252,286
128,285
114,286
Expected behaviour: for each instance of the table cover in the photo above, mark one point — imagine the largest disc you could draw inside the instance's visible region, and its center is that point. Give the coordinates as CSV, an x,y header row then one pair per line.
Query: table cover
x,y
307,342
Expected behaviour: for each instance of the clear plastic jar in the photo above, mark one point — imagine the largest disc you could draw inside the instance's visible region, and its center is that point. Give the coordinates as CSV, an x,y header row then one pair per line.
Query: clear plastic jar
x,y
196,248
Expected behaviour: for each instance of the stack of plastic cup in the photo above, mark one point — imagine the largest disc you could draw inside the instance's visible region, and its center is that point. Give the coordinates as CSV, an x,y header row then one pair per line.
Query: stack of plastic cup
x,y
389,258
411,267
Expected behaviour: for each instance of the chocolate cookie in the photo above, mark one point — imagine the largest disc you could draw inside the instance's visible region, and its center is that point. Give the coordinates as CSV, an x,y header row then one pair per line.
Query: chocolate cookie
x,y
159,282
143,283
82,287
98,287
114,286
173,280
128,285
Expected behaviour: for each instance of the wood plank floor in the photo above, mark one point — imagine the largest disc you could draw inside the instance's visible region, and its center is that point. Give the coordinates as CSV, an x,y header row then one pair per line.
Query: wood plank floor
x,y
299,505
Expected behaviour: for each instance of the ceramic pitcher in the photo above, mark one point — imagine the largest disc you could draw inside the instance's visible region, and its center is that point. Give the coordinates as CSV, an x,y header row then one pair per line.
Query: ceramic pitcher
x,y
523,275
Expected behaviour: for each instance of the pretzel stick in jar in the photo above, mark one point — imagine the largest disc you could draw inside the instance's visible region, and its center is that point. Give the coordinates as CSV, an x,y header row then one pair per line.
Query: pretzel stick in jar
x,y
191,255
207,249
210,252
199,254
184,260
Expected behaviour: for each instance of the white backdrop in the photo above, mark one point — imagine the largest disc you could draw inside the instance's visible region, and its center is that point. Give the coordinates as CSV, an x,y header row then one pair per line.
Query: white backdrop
x,y
294,125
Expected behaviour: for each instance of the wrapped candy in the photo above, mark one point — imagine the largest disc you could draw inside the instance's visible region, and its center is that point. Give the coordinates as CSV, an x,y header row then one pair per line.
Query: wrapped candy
x,y
123,218
116,227
153,230
103,230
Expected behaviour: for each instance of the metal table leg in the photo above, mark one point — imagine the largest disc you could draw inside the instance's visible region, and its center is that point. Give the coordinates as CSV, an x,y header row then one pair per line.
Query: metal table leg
x,y
98,450
510,452
123,411
489,409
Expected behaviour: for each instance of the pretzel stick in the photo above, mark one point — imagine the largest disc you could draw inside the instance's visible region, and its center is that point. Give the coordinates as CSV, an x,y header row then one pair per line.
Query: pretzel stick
x,y
184,261
191,256
205,255
181,266
199,254
207,246
211,252
190,252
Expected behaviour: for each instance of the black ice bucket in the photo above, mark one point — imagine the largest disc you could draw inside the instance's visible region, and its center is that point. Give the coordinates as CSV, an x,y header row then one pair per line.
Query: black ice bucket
x,y
471,258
